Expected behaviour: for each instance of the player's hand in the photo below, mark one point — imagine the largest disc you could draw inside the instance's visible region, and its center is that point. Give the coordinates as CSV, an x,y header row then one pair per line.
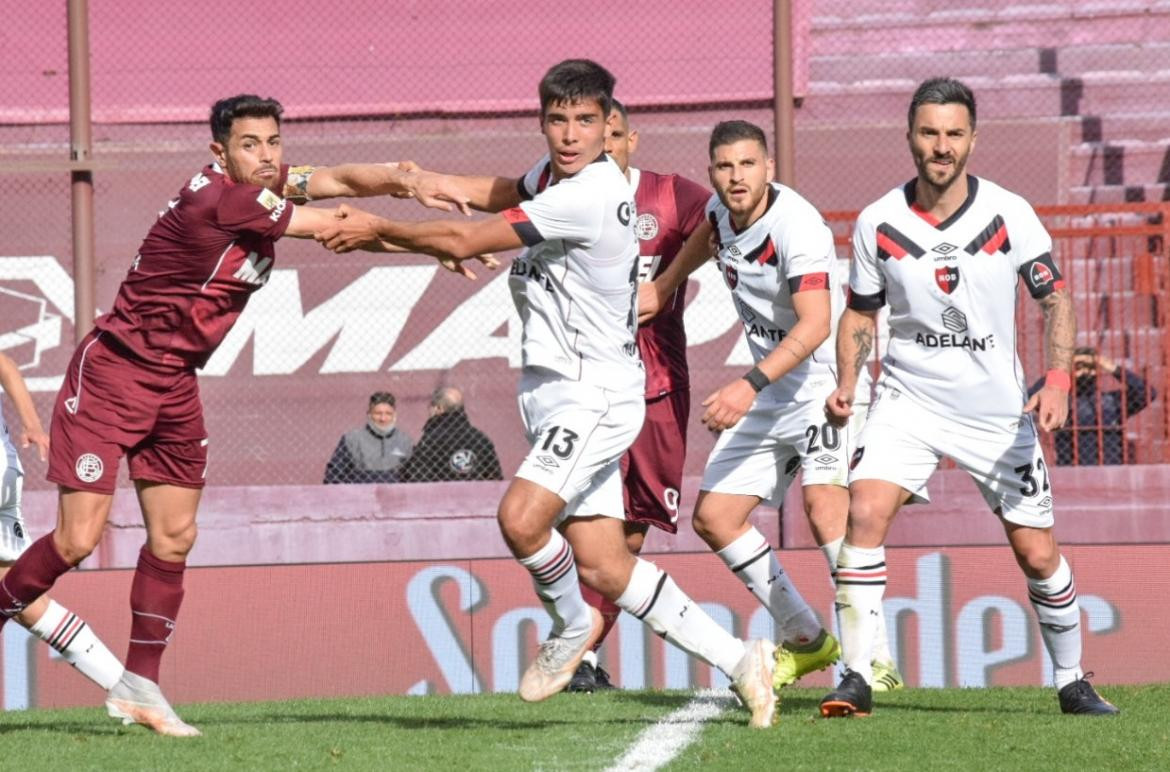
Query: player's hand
x,y
649,303
36,437
459,265
405,166
839,406
351,229
1051,406
437,191
726,406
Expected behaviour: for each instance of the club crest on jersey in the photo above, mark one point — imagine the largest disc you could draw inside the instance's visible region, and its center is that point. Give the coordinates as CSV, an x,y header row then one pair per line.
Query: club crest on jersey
x,y
731,276
1041,275
625,213
947,278
646,226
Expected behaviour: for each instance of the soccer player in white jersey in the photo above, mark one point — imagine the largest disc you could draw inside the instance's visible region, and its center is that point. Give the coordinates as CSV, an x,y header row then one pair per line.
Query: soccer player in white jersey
x,y
947,251
54,624
581,389
777,257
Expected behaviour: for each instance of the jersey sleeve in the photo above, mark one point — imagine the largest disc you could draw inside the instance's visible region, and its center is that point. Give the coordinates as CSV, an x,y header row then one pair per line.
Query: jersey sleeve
x,y
535,180
567,211
807,247
252,209
691,202
867,286
1033,251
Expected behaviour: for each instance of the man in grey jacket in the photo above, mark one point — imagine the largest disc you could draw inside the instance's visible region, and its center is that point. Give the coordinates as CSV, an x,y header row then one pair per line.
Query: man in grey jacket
x,y
374,452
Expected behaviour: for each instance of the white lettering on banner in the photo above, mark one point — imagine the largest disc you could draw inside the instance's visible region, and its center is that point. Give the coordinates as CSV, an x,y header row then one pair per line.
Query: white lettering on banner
x,y
509,641
365,317
977,655
468,332
19,682
1098,616
932,572
422,593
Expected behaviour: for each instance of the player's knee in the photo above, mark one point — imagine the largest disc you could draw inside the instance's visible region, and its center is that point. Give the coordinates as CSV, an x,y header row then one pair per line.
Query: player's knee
x,y
519,527
174,543
75,546
703,524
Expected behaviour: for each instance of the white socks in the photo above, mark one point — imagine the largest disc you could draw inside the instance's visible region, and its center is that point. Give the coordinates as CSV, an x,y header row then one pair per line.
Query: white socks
x,y
881,642
861,583
72,637
554,574
653,597
1055,602
753,560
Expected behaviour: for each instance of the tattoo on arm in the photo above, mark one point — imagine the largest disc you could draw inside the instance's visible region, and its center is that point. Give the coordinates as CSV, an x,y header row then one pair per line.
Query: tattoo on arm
x,y
863,340
297,186
1060,329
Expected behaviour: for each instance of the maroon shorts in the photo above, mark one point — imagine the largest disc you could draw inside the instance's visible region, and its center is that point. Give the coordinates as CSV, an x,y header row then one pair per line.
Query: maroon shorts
x,y
652,468
113,404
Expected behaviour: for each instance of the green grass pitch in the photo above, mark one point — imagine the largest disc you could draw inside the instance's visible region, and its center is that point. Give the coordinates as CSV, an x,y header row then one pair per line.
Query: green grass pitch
x,y
917,729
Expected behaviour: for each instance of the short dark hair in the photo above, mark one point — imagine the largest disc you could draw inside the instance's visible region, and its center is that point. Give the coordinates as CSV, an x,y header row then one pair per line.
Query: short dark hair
x,y
575,80
225,111
622,111
381,398
941,91
729,132
1085,351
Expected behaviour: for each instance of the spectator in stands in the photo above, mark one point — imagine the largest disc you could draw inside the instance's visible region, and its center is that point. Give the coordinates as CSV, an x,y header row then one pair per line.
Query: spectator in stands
x,y
1095,431
374,452
450,448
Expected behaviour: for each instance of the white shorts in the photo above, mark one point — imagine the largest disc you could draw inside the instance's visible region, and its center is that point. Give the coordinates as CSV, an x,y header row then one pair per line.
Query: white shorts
x,y
578,433
761,454
903,442
14,538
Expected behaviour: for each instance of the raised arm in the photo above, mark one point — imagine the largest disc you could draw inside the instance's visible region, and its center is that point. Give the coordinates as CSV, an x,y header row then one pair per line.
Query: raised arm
x,y
31,431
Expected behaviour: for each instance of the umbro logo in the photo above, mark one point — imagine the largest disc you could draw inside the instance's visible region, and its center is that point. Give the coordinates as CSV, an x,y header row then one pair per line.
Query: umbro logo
x,y
944,248
825,459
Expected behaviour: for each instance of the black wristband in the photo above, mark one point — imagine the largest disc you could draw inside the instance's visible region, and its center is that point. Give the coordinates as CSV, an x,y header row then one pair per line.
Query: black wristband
x,y
756,379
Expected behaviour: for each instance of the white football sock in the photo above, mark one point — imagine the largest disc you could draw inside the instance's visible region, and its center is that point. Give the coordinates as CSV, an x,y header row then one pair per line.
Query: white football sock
x,y
881,641
653,597
554,574
861,583
75,641
753,560
1059,613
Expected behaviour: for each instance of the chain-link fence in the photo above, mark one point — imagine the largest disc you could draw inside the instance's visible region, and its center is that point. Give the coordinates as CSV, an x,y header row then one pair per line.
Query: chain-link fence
x,y
1071,112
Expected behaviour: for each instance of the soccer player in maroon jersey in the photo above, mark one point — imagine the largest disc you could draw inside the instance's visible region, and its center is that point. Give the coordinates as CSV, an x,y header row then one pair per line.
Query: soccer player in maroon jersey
x,y
669,207
131,388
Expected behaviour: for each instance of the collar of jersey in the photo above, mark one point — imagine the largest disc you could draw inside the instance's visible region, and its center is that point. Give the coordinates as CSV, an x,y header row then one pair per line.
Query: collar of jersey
x,y
909,191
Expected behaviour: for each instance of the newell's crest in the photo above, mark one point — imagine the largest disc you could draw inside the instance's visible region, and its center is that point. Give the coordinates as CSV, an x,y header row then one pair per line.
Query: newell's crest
x,y
731,276
1041,275
947,278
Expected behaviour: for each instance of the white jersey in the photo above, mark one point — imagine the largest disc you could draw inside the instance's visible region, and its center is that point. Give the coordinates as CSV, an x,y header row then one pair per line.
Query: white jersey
x,y
952,288
787,250
575,285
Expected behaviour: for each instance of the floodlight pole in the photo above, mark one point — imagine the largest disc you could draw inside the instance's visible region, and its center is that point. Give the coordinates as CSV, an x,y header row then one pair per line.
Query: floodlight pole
x,y
81,177
784,105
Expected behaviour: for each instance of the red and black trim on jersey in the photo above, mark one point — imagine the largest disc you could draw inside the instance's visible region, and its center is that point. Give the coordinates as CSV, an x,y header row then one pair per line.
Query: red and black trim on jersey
x,y
910,191
992,239
891,242
1042,276
809,281
764,254
859,302
524,228
541,183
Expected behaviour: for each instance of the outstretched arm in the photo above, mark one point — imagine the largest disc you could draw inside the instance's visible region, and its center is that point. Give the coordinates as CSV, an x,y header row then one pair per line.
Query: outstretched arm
x,y
1060,333
31,431
855,334
402,180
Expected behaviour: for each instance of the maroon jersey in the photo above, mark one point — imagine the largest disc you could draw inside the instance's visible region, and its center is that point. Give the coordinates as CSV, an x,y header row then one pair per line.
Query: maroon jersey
x,y
669,208
204,256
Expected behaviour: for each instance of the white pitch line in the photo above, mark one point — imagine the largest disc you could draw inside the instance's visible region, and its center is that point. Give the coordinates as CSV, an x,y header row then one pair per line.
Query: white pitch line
x,y
658,745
